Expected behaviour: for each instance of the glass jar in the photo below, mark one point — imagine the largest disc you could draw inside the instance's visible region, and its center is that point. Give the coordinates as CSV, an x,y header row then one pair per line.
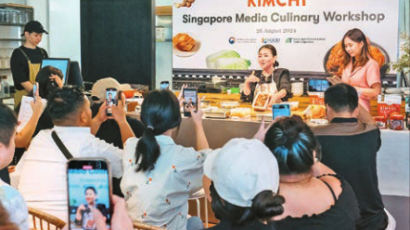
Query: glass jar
x,y
380,122
396,122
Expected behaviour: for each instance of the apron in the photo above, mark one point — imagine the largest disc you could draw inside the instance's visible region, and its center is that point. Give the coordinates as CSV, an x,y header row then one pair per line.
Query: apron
x,y
266,86
33,69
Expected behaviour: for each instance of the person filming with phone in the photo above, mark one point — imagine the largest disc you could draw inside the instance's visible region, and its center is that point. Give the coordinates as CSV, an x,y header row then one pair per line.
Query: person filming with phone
x,y
41,170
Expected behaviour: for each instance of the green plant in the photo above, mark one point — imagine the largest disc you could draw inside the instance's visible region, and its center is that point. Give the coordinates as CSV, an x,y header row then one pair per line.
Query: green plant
x,y
403,64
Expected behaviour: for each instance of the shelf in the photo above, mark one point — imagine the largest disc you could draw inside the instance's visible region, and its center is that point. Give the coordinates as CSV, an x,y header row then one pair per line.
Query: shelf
x,y
3,69
15,6
11,24
163,10
11,39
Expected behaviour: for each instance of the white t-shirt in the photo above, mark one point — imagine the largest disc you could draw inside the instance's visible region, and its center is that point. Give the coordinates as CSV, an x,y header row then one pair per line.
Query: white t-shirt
x,y
42,170
160,197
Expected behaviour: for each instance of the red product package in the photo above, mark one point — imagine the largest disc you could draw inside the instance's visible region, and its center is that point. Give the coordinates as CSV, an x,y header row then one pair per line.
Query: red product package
x,y
390,104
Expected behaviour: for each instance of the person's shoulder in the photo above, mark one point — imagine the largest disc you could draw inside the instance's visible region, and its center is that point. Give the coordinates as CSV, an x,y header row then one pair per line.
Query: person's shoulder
x,y
11,198
323,130
17,53
372,63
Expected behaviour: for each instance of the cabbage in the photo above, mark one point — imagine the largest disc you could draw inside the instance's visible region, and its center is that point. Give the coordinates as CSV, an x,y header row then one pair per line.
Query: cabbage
x,y
233,60
232,63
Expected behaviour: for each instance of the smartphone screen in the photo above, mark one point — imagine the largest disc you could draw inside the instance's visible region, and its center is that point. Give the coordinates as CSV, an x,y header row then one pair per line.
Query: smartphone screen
x,y
318,85
280,110
89,192
111,99
34,91
164,85
191,100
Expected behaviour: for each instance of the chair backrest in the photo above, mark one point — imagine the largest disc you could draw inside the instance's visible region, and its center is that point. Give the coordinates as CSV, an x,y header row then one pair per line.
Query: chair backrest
x,y
141,226
392,222
45,221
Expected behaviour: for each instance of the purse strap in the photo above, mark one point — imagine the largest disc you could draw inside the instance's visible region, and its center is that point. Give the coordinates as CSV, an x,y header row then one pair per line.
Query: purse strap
x,y
61,146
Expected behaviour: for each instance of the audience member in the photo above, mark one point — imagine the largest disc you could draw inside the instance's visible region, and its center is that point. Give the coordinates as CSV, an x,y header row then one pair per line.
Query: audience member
x,y
316,198
10,198
43,167
109,130
48,79
245,178
159,175
349,146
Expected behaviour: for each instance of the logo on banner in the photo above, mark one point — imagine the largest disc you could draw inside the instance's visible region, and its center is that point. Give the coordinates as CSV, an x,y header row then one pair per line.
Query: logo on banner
x,y
232,40
304,40
270,40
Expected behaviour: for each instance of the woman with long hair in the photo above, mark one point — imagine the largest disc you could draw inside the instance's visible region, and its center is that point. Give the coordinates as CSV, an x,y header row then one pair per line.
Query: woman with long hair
x,y
316,198
159,175
270,80
360,70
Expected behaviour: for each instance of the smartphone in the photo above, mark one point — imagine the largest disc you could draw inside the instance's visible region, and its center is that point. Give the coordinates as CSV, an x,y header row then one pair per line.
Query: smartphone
x,y
89,191
34,91
280,110
191,100
164,85
318,85
111,98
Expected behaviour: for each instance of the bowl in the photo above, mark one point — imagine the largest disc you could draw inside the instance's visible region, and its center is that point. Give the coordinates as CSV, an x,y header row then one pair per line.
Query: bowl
x,y
129,93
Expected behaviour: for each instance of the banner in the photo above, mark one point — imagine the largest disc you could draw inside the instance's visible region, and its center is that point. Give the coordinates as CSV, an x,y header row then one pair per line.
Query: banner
x,y
226,34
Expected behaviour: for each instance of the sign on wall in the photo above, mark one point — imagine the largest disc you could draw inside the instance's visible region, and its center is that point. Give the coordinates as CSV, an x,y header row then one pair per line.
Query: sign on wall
x,y
216,34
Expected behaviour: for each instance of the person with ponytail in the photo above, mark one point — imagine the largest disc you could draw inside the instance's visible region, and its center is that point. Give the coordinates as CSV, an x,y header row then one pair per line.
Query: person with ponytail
x,y
245,180
159,175
316,198
271,80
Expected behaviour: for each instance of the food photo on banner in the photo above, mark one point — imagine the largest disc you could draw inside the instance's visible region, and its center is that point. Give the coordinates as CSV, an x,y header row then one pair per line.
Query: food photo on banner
x,y
226,35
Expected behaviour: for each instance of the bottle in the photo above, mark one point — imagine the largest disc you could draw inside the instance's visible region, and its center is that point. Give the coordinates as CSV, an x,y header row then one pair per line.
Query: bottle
x,y
1,87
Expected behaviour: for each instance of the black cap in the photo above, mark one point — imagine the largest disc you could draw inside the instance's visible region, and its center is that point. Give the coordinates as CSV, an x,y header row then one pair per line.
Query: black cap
x,y
34,26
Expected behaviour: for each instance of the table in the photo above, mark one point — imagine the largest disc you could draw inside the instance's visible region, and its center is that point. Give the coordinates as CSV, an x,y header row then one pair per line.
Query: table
x,y
392,160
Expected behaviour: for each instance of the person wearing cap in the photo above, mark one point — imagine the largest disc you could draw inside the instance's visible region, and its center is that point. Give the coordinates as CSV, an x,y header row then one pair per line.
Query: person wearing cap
x,y
25,61
109,130
244,190
316,198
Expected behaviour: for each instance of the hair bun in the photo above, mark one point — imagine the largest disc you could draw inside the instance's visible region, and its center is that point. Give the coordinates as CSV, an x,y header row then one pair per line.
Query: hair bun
x,y
267,204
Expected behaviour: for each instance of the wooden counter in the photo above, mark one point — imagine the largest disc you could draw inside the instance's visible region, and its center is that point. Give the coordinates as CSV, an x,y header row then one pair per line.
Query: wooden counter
x,y
304,101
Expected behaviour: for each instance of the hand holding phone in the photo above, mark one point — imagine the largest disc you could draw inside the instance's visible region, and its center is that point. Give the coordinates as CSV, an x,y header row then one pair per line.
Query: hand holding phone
x,y
280,110
35,91
191,100
89,193
111,98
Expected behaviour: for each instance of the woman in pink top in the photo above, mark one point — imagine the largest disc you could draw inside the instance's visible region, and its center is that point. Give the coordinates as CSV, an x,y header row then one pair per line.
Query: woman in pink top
x,y
360,70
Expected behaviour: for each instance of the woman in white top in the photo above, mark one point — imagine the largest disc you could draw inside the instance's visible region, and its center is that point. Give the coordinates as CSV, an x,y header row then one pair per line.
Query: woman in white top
x,y
159,175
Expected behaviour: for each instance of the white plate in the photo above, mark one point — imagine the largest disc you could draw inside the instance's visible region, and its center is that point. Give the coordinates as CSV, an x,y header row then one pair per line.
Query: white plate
x,y
181,53
317,122
393,91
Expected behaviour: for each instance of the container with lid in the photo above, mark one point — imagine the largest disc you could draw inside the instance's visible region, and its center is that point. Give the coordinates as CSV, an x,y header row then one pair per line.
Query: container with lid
x,y
380,122
396,122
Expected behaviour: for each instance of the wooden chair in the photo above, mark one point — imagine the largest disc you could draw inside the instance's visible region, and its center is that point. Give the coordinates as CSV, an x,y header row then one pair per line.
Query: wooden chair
x,y
45,220
141,226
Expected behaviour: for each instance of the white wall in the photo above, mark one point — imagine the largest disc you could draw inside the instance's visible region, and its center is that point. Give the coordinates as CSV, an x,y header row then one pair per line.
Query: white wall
x,y
23,2
65,31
